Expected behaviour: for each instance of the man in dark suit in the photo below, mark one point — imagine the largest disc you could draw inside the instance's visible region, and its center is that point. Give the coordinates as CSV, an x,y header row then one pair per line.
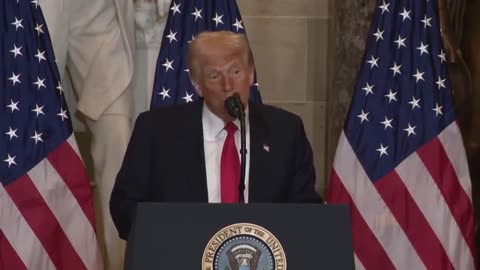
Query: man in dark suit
x,y
183,153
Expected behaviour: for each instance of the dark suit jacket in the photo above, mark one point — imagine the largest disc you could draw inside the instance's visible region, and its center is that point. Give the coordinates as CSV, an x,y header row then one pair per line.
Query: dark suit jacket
x,y
165,161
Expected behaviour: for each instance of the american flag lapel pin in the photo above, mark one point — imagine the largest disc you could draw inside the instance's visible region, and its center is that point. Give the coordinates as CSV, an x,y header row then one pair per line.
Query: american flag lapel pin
x,y
266,148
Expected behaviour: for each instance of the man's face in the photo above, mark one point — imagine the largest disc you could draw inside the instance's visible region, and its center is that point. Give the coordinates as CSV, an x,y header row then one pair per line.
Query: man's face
x,y
219,77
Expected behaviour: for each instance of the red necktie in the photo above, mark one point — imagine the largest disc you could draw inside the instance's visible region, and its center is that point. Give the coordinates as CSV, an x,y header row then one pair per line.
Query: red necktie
x,y
230,167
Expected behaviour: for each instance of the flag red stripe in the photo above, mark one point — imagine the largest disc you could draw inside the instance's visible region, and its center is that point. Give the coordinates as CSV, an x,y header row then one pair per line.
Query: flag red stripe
x,y
419,182
8,257
437,163
368,249
67,211
402,205
451,140
43,223
70,168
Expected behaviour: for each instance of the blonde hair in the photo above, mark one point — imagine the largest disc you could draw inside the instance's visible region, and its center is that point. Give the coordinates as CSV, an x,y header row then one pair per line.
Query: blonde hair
x,y
218,42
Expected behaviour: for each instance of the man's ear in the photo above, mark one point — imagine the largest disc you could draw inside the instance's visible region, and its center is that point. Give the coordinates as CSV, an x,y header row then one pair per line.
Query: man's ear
x,y
197,88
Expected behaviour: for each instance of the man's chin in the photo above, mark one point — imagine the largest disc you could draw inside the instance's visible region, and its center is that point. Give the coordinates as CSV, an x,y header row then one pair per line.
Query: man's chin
x,y
228,118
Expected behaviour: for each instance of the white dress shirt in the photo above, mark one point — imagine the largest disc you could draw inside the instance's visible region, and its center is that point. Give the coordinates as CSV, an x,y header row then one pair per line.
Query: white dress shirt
x,y
213,138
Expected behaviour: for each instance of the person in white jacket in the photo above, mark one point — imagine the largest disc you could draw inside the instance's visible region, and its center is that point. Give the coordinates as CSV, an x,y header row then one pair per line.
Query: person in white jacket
x,y
93,42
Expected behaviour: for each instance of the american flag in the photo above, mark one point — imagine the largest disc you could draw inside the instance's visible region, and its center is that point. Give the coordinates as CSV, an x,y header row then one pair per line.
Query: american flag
x,y
186,19
46,209
400,162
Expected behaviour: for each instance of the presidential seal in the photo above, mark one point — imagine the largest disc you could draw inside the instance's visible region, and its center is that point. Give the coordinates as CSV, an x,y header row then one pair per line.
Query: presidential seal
x,y
244,246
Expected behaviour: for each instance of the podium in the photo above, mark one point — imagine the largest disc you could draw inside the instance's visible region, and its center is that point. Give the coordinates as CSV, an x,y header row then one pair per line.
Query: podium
x,y
205,236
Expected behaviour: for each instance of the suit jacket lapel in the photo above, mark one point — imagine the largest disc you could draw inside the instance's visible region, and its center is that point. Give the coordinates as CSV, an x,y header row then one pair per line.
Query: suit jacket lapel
x,y
259,152
195,157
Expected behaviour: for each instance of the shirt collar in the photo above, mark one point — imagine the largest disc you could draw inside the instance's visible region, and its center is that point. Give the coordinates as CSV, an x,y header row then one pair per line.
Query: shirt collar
x,y
213,125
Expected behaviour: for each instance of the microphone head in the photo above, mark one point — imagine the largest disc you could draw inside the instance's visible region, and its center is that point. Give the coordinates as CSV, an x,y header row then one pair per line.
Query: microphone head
x,y
234,105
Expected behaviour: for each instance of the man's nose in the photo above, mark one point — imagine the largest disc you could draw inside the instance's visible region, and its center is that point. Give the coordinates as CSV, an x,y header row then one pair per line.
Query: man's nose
x,y
227,84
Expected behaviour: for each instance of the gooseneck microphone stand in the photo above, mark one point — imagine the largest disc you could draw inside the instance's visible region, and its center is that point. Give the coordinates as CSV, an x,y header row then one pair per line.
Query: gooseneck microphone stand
x,y
236,109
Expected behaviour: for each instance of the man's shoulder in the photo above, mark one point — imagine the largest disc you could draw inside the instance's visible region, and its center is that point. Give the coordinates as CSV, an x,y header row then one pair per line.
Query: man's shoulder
x,y
170,118
273,113
172,112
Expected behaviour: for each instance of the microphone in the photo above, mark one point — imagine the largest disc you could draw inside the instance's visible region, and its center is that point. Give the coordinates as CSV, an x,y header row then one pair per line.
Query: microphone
x,y
234,105
236,109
